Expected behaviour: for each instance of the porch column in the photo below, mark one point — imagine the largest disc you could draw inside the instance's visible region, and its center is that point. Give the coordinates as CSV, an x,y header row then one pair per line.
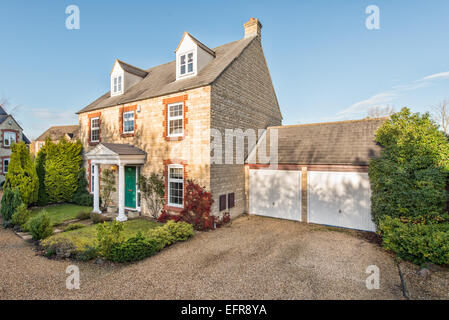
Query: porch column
x,y
96,189
121,193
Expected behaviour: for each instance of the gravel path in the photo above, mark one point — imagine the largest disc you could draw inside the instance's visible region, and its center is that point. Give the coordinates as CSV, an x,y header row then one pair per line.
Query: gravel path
x,y
254,258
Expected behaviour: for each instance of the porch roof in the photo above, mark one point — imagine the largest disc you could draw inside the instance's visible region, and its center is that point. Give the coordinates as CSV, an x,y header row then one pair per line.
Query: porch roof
x,y
114,153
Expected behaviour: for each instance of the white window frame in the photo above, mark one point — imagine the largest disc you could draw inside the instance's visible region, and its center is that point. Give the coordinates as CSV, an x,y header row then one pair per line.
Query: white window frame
x,y
133,120
171,118
117,86
173,166
186,55
92,128
3,168
7,135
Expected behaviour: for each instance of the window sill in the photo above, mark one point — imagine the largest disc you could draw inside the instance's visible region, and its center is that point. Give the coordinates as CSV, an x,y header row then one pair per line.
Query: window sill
x,y
127,134
173,209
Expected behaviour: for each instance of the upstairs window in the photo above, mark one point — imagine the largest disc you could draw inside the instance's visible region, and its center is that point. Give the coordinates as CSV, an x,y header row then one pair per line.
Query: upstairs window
x,y
175,119
186,64
5,165
95,129
128,122
176,185
9,138
117,85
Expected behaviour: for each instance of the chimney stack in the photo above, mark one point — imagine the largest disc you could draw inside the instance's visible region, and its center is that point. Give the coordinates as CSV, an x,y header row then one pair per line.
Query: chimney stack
x,y
252,28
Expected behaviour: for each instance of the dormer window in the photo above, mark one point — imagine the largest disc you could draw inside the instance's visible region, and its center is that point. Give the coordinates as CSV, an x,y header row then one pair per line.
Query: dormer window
x,y
186,64
117,86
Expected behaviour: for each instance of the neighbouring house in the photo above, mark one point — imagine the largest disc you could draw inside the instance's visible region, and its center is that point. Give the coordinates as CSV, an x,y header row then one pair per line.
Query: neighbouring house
x,y
56,133
11,132
171,119
161,119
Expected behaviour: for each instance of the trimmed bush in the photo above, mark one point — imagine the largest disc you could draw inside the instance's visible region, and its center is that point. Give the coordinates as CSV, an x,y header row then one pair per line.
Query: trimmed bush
x,y
40,226
82,197
74,226
162,236
21,216
83,215
108,235
22,174
418,243
62,170
40,171
180,231
133,249
11,200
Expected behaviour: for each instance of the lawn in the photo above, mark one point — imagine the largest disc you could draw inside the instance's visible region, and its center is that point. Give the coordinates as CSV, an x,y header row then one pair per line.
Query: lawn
x,y
61,212
87,236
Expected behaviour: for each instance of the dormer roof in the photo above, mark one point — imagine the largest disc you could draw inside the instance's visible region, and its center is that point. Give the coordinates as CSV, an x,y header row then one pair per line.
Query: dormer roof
x,y
131,69
198,43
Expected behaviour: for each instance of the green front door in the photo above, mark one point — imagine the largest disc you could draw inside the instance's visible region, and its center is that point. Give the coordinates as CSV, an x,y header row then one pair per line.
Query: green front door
x,y
130,187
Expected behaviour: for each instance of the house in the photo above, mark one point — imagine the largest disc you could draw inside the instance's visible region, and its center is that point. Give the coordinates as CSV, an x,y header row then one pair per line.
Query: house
x,y
176,118
11,132
56,133
161,119
321,174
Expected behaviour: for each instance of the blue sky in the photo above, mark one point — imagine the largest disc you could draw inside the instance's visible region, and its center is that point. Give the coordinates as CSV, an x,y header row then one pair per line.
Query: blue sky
x,y
325,64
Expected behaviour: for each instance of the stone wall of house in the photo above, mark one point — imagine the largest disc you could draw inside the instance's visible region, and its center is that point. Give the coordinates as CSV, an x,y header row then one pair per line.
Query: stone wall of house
x,y
193,149
242,98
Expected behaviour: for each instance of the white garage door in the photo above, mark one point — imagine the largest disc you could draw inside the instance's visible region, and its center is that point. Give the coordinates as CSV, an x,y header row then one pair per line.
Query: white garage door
x,y
340,199
275,193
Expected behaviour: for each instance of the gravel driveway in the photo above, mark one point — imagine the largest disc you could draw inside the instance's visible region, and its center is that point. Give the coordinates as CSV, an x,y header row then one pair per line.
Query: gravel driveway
x,y
253,258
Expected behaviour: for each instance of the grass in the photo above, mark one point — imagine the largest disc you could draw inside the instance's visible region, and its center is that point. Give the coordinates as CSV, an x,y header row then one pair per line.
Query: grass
x,y
87,236
61,212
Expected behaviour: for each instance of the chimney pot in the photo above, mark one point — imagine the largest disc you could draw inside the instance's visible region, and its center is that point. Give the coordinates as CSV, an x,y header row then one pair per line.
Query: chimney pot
x,y
253,28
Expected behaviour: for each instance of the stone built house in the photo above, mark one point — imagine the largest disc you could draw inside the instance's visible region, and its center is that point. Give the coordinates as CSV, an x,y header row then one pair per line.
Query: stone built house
x,y
56,133
160,120
10,132
165,120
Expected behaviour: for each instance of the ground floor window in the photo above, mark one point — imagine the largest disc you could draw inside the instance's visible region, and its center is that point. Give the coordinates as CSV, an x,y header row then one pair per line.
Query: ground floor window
x,y
5,165
176,185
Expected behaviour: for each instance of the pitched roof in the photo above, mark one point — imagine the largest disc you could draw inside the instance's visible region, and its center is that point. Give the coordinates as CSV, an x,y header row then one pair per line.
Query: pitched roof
x,y
58,132
132,69
161,80
123,149
25,139
199,43
2,111
332,143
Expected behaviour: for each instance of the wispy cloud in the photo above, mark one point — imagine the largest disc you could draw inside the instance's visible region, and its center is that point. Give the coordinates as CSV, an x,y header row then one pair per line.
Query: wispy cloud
x,y
383,99
441,75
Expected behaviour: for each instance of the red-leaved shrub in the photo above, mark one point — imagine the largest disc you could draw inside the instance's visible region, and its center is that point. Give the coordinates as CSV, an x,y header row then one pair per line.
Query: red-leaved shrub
x,y
197,207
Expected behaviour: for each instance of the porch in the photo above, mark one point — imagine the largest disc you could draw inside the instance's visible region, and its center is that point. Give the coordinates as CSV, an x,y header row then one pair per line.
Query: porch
x,y
128,160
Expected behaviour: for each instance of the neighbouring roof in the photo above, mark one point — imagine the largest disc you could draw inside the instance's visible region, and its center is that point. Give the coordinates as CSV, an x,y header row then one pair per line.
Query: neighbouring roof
x,y
332,143
123,149
161,80
25,139
58,132
3,112
132,69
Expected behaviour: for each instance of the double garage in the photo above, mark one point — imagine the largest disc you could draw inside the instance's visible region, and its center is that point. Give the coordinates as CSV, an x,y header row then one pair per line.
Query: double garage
x,y
321,176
